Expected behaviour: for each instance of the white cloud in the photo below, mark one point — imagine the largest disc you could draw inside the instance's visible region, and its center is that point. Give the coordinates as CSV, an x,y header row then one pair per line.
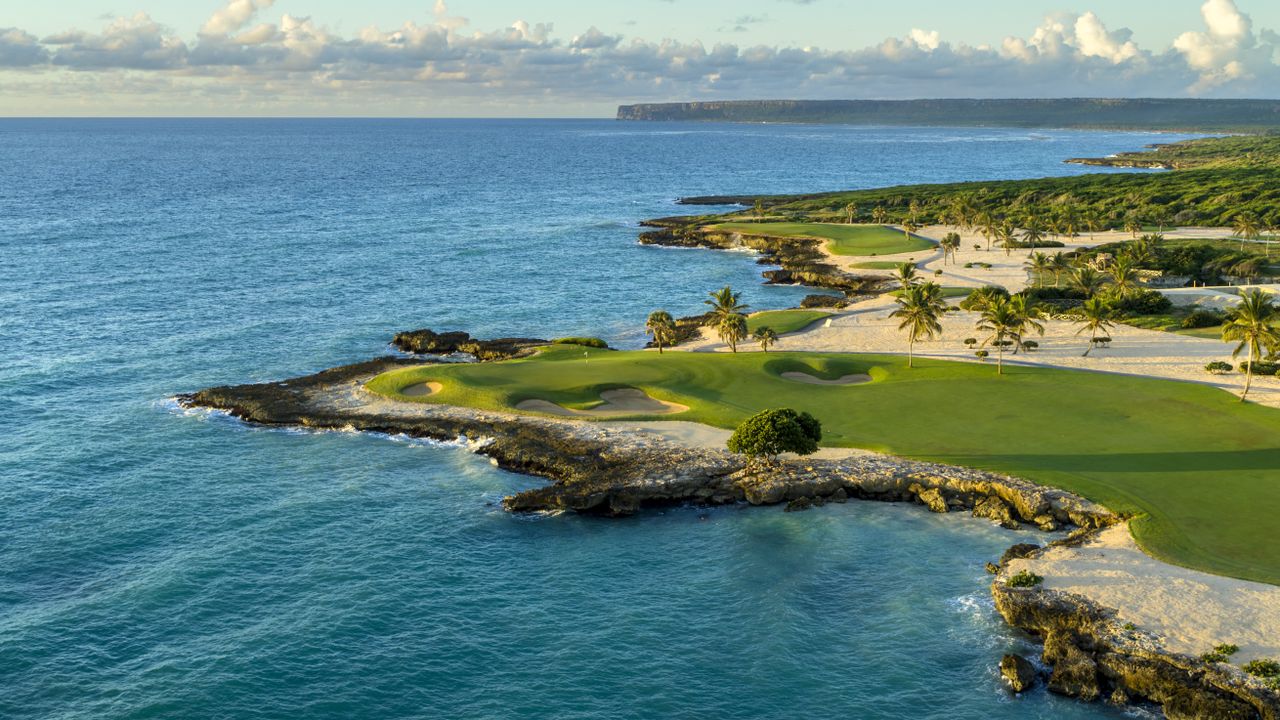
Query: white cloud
x,y
294,59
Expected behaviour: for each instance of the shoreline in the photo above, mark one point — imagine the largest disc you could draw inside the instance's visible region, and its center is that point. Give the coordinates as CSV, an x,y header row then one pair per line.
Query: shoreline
x,y
620,467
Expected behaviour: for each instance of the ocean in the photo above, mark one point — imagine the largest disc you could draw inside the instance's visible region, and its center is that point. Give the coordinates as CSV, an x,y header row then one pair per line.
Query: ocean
x,y
156,563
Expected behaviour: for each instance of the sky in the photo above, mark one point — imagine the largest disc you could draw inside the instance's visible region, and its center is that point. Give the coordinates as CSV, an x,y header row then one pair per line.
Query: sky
x,y
471,58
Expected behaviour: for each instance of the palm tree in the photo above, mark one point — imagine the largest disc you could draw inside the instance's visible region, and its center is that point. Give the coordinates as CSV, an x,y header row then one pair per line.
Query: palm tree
x,y
1005,233
662,327
1246,227
1032,234
913,210
1088,280
1000,319
909,228
1037,266
1092,222
766,337
950,246
1060,264
989,226
1133,227
758,208
1097,314
732,329
1252,325
920,307
1029,315
906,275
1124,276
850,210
880,215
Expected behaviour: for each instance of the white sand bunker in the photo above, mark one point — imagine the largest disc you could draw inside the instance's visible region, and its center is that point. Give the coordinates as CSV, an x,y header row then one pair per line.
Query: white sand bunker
x,y
422,389
623,401
808,379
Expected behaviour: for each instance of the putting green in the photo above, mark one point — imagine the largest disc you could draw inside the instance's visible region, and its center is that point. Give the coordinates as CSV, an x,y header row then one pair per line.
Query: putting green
x,y
1199,469
784,321
842,239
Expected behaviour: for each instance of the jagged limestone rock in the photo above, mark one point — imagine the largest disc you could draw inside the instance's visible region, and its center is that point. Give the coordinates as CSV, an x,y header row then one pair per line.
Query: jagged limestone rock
x,y
1018,672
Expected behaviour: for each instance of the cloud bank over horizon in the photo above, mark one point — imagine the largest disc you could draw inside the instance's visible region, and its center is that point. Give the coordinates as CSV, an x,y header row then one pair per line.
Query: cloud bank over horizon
x,y
241,61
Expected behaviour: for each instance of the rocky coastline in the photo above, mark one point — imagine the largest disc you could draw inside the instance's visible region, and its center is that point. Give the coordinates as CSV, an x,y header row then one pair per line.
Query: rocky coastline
x,y
605,470
799,260
1093,656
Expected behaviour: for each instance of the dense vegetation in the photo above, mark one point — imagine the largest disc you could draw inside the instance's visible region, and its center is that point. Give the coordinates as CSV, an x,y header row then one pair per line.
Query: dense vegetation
x,y
1137,113
1197,465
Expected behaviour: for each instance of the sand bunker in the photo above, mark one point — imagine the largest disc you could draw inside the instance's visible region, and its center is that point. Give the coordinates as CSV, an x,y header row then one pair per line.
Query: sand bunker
x,y
422,389
808,379
624,401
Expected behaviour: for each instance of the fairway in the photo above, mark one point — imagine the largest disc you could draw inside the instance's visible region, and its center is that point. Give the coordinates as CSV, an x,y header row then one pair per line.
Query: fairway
x,y
861,240
1201,469
784,321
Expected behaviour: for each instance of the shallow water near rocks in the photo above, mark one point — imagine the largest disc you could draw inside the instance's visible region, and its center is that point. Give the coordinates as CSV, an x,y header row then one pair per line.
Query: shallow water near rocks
x,y
160,563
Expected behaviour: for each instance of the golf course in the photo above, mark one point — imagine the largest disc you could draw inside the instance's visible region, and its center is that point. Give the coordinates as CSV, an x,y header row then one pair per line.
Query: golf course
x,y
1191,463
784,321
855,240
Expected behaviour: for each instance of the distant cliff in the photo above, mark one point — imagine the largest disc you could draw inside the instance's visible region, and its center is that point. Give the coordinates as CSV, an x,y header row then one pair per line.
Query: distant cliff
x,y
1136,114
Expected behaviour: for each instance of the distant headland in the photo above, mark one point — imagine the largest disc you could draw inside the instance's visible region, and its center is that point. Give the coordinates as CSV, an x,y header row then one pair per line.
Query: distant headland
x,y
1093,113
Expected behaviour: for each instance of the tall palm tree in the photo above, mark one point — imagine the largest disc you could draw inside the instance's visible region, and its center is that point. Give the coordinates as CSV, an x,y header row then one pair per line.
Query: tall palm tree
x,y
1032,233
1028,315
1124,276
1005,234
1133,227
1097,314
1092,222
850,211
1252,324
732,330
766,337
1246,227
1037,266
758,208
879,215
989,226
1000,319
662,327
950,246
909,228
1088,280
913,210
1060,264
906,275
919,308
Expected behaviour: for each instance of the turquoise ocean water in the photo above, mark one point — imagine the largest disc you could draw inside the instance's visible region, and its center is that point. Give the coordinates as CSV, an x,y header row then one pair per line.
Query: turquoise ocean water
x,y
162,564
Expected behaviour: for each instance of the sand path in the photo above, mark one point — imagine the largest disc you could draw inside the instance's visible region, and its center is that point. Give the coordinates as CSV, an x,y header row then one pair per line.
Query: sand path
x,y
1190,610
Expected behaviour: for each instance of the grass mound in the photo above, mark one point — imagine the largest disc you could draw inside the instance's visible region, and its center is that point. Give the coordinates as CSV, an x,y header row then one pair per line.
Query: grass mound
x,y
784,321
842,239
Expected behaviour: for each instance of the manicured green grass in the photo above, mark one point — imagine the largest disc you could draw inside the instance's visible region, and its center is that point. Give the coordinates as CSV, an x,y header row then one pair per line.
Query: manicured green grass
x,y
1172,322
842,239
784,321
877,265
947,292
1201,469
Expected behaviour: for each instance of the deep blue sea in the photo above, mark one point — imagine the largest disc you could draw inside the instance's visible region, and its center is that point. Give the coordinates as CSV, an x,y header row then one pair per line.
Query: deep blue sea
x,y
162,564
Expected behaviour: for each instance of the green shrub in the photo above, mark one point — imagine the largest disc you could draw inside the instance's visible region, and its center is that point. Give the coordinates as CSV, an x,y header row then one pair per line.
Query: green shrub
x,y
590,342
1220,653
1030,345
772,432
982,354
1143,302
1263,668
1024,579
1218,367
970,342
1260,368
979,297
1049,292
1023,244
1203,319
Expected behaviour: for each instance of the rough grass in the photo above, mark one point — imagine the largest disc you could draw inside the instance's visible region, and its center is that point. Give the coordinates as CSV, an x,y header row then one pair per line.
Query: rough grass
x,y
841,239
1200,469
947,292
784,321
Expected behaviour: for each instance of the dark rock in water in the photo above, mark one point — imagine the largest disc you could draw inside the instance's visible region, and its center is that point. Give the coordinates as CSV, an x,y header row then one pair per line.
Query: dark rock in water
x,y
839,496
824,301
993,568
1017,552
931,497
1018,672
1075,672
993,508
801,503
427,341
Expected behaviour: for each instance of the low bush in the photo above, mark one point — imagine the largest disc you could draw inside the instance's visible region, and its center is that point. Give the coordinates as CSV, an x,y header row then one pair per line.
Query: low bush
x,y
1263,668
979,297
1220,653
1049,292
1030,345
1203,319
1024,579
1260,368
970,342
982,354
1143,302
583,341
1218,367
1024,244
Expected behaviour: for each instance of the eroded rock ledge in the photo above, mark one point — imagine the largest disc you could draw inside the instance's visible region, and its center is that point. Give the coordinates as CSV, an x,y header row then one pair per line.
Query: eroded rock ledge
x,y
595,468
799,259
1095,657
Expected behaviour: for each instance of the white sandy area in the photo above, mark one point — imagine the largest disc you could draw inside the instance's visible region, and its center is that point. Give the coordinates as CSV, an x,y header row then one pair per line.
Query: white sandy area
x,y
1190,611
623,401
808,379
422,389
